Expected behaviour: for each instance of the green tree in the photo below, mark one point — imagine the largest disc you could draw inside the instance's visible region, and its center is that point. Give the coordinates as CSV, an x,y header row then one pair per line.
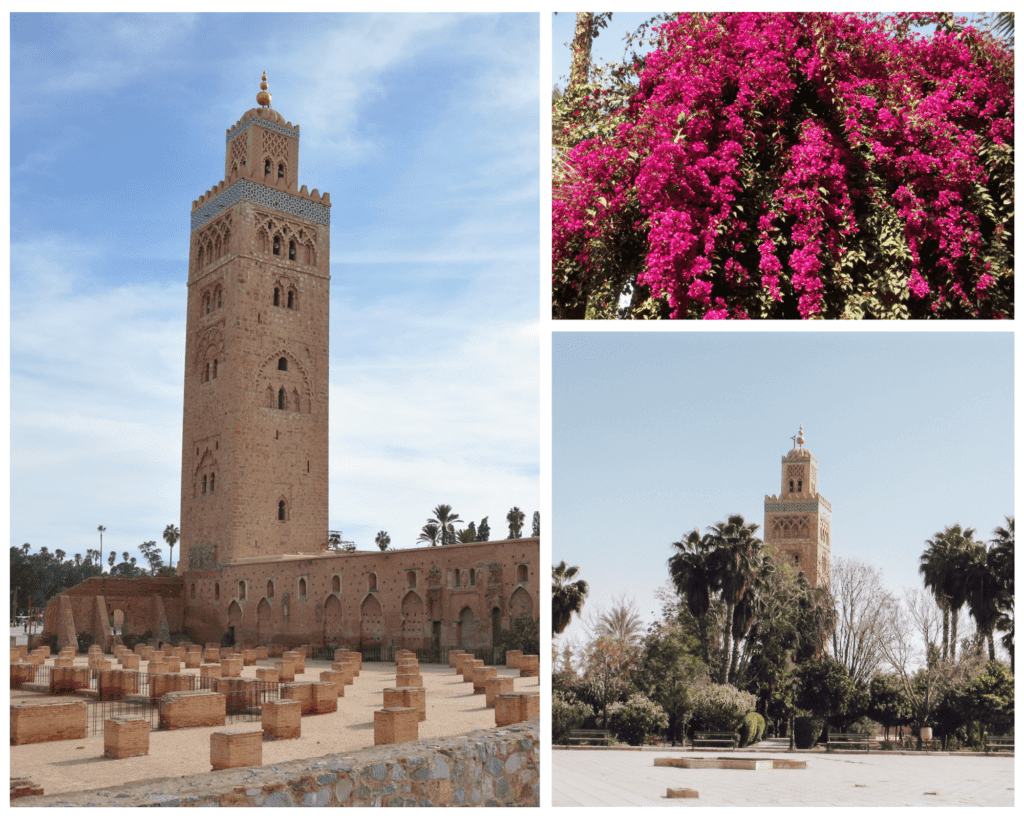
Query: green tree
x,y
670,672
536,524
567,596
483,531
445,519
738,560
515,518
152,554
1001,560
942,565
609,667
889,705
982,591
467,535
383,540
430,533
172,534
825,687
695,576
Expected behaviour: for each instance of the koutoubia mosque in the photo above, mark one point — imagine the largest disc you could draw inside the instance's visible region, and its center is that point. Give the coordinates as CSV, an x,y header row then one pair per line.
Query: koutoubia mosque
x,y
798,521
256,559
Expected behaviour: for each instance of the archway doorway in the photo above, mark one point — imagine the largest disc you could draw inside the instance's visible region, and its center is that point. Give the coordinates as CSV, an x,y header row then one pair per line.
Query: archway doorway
x,y
495,625
371,622
332,620
412,621
263,629
234,633
467,629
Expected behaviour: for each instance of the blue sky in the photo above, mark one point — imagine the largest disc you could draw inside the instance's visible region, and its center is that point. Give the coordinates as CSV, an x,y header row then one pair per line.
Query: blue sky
x,y
425,135
656,433
608,45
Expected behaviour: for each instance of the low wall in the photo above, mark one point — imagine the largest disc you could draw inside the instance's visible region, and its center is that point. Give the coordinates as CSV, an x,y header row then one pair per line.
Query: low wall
x,y
495,767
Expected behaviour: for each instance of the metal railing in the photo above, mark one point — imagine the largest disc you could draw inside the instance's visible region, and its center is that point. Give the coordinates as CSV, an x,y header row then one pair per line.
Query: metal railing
x,y
137,699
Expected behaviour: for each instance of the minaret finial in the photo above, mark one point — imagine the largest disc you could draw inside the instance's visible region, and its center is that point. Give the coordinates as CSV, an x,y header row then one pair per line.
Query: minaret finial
x,y
800,437
263,97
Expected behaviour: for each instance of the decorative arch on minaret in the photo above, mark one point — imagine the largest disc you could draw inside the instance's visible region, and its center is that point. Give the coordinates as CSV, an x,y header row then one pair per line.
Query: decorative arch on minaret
x,y
210,348
201,475
293,380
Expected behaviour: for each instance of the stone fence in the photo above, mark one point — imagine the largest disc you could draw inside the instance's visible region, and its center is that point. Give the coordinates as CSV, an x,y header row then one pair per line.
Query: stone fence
x,y
494,767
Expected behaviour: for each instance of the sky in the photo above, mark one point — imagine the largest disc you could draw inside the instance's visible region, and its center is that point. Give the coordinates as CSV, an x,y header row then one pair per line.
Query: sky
x,y
608,46
426,137
658,433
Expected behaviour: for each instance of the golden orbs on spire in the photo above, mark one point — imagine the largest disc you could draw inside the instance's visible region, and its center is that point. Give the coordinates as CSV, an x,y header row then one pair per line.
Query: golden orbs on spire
x,y
263,97
800,437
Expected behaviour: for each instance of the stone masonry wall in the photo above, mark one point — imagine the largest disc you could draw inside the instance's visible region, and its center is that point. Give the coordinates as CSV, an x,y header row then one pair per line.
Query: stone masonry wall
x,y
496,767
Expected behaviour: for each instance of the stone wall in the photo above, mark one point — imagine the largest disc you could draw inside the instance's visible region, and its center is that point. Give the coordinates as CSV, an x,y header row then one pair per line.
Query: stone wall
x,y
133,596
496,767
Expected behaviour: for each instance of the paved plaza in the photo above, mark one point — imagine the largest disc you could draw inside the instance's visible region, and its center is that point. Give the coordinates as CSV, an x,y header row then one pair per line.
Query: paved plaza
x,y
611,778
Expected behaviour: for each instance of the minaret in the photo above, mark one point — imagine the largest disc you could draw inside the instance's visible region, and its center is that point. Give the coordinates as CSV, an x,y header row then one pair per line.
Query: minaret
x,y
798,521
254,434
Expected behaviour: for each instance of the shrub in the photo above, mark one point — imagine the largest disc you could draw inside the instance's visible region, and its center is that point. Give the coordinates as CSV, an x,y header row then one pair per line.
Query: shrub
x,y
797,165
636,718
567,714
807,730
720,707
751,729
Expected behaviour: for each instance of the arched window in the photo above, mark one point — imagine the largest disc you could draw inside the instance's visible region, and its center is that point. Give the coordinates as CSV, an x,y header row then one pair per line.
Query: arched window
x,y
291,299
335,584
216,591
206,304
199,257
280,510
219,298
213,477
204,484
281,401
280,171
266,166
206,372
790,486
411,578
277,297
520,574
458,579
472,577
302,587
215,368
291,255
282,363
241,590
371,582
799,486
277,245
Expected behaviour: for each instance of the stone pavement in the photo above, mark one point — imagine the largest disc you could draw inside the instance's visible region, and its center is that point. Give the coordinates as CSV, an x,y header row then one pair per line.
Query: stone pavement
x,y
598,778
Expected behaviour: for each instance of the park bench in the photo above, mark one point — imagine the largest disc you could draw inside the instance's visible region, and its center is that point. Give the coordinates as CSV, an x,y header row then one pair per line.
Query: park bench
x,y
844,742
999,743
707,739
588,737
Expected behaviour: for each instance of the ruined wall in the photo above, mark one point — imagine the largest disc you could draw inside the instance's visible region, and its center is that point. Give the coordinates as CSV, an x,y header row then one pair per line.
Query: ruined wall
x,y
133,596
496,767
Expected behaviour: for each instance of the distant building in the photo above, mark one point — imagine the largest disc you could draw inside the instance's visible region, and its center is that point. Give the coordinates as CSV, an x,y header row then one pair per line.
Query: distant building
x,y
798,521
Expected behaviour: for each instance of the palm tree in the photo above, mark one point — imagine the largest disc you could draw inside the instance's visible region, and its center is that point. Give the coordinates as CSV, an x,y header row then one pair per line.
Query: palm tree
x,y
515,518
622,622
695,576
1001,560
942,566
982,592
430,533
383,540
467,535
567,596
736,563
445,519
171,534
101,529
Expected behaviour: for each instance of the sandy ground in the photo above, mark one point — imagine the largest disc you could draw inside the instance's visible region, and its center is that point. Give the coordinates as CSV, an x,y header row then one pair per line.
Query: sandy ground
x,y
79,764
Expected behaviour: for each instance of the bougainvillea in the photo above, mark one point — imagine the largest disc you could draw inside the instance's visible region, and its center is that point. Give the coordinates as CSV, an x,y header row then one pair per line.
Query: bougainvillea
x,y
794,165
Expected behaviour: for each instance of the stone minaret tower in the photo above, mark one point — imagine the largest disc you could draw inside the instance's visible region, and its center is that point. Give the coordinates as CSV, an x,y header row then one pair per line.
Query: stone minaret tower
x,y
254,438
799,521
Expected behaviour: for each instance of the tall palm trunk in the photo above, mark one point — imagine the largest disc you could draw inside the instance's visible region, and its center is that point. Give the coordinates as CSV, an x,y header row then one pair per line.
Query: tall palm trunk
x,y
954,617
945,632
723,670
